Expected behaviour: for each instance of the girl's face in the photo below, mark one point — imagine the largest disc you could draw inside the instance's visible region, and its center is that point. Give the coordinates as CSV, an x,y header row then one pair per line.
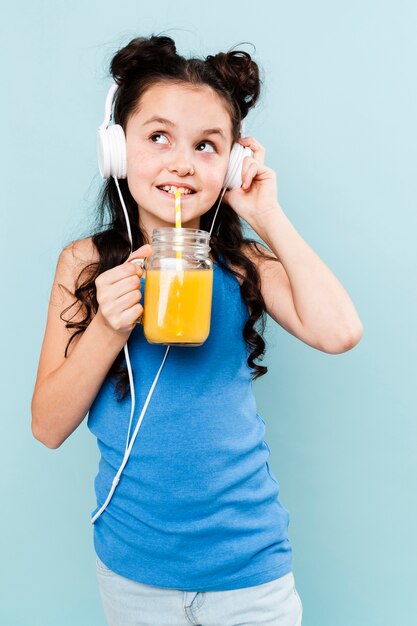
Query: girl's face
x,y
179,134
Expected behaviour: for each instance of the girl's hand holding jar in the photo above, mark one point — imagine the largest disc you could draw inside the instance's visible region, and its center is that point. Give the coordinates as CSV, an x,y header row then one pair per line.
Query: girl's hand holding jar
x,y
119,295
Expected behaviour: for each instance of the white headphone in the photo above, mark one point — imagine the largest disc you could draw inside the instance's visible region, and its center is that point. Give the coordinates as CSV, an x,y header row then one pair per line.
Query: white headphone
x,y
111,149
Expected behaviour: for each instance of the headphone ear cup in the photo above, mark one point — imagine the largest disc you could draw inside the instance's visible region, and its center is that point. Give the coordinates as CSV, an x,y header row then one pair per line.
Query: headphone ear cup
x,y
118,151
111,151
103,152
233,178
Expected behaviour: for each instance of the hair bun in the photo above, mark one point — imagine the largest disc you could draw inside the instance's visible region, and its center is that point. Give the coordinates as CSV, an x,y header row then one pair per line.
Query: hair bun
x,y
143,52
239,72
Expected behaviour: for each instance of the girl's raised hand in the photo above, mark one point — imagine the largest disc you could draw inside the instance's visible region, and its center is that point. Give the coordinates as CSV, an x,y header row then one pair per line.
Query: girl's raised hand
x,y
118,293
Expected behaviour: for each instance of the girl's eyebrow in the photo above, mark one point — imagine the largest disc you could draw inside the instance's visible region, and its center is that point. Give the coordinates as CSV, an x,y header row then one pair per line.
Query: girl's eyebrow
x,y
163,120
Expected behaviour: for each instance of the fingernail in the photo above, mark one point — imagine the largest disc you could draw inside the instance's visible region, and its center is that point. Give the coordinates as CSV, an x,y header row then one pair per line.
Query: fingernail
x,y
139,262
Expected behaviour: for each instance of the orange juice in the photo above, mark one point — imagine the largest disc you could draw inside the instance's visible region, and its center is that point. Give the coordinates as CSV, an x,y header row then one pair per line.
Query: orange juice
x,y
177,306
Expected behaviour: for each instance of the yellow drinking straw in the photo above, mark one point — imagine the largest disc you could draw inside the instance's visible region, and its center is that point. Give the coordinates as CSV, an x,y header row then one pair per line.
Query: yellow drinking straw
x,y
177,196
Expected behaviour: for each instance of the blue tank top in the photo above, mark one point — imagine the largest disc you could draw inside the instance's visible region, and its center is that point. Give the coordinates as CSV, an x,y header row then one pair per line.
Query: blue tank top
x,y
197,506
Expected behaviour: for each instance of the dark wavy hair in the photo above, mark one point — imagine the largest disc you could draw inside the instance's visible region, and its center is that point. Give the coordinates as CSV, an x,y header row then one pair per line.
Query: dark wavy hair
x,y
234,76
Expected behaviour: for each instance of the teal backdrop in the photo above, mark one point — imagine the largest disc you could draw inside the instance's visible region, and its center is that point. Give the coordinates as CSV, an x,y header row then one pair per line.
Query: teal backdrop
x,y
338,120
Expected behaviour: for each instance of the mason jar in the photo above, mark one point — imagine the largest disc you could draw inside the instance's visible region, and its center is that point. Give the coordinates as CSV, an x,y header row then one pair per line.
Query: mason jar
x,y
178,287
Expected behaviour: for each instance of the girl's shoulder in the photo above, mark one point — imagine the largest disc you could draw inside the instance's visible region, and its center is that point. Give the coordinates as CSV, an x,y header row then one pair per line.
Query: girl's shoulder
x,y
81,252
73,259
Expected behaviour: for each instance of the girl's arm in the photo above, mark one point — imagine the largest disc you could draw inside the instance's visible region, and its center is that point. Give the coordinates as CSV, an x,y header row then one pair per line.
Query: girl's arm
x,y
301,293
66,387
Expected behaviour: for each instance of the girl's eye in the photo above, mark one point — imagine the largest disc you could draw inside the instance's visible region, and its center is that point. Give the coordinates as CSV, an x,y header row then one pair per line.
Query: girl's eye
x,y
157,135
208,143
203,143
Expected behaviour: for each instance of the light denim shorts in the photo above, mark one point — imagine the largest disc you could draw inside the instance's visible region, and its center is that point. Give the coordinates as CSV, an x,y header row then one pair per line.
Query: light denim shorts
x,y
130,603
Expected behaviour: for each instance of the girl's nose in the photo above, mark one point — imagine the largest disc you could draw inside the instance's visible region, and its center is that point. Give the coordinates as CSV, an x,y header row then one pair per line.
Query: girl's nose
x,y
181,165
182,169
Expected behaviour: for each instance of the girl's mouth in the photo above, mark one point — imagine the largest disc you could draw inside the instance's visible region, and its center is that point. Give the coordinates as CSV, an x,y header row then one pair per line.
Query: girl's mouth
x,y
184,196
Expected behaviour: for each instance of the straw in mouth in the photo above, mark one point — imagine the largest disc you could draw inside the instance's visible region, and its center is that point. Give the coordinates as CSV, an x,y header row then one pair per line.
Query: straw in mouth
x,y
177,196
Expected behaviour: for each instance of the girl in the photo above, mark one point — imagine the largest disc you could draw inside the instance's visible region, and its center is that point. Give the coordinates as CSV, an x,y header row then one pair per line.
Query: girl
x,y
195,532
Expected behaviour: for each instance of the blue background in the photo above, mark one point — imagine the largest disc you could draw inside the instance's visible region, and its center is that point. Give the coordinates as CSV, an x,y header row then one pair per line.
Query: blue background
x,y
338,120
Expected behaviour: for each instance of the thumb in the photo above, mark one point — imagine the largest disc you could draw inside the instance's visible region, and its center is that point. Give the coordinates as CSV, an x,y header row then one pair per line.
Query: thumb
x,y
141,253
